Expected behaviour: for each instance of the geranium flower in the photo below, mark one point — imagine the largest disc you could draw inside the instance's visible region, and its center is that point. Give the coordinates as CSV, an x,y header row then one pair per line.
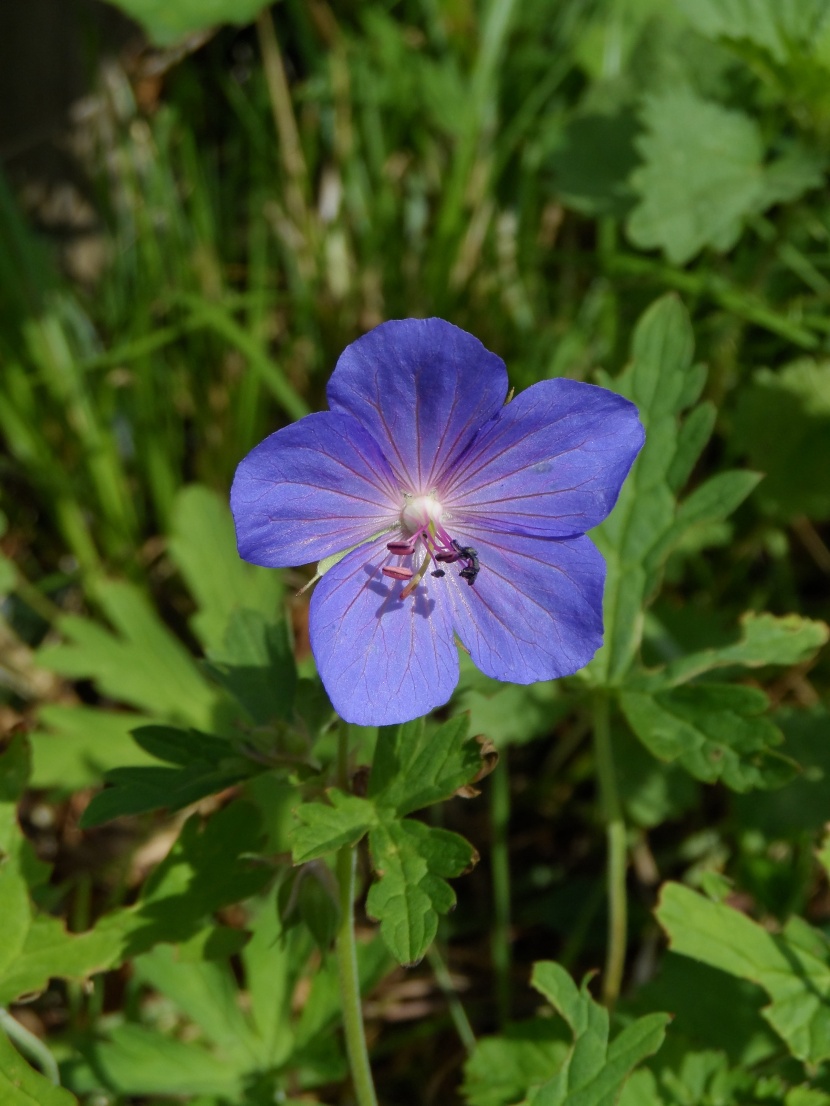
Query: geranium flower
x,y
462,516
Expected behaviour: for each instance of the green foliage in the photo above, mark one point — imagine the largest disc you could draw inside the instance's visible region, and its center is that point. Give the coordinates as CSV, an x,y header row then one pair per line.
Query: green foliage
x,y
589,1072
21,1085
510,167
782,423
165,21
699,191
793,967
414,766
716,731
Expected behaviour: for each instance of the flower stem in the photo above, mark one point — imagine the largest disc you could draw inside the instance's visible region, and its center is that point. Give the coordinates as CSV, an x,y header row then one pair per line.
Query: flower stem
x,y
500,869
346,952
617,852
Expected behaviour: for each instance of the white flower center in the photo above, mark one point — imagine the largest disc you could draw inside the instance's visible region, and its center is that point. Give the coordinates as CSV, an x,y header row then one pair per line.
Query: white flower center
x,y
419,511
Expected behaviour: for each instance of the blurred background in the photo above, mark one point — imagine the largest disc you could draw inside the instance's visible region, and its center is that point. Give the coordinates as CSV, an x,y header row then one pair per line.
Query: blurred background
x,y
202,204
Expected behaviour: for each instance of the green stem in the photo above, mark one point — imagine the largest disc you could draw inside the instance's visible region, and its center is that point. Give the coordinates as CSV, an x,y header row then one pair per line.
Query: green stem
x,y
31,1045
617,852
500,869
346,951
456,1007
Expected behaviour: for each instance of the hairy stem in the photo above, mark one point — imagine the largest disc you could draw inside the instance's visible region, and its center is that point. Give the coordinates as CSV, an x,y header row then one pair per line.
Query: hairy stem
x,y
346,951
617,853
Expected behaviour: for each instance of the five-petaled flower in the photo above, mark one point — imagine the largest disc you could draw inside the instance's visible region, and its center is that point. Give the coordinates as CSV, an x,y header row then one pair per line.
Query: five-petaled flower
x,y
464,516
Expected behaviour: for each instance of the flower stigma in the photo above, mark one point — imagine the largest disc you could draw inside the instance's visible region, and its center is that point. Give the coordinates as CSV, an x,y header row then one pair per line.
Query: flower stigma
x,y
421,522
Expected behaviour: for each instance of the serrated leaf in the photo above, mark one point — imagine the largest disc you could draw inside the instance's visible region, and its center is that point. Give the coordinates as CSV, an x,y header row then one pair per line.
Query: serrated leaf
x,y
662,381
418,764
21,1085
206,992
594,1071
325,827
793,968
766,639
204,871
782,423
203,547
502,1068
135,1060
715,731
712,501
256,665
699,190
77,745
783,30
413,862
165,21
206,765
142,664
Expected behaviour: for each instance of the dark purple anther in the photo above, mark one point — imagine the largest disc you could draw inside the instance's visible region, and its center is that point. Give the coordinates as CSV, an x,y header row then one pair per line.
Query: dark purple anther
x,y
401,548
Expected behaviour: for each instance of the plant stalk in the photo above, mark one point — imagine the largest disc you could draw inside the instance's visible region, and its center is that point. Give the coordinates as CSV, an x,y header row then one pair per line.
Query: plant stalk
x,y
617,852
346,952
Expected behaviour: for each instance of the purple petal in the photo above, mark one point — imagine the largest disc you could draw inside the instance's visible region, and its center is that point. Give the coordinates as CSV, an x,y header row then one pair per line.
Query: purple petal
x,y
535,610
551,464
382,659
312,489
422,388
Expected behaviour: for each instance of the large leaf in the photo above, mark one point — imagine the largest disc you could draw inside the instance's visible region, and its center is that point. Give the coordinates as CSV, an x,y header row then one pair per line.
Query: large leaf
x,y
255,663
203,547
647,523
204,871
715,731
165,21
782,423
700,190
782,29
502,1068
793,967
142,663
77,745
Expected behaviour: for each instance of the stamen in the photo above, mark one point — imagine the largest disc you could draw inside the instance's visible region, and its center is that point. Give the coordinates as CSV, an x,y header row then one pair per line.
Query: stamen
x,y
401,548
395,572
438,572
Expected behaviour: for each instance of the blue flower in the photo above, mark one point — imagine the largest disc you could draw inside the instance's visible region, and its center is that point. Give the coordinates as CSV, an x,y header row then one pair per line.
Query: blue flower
x,y
462,516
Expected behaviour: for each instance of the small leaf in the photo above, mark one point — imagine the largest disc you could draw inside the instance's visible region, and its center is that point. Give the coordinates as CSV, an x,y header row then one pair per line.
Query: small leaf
x,y
792,967
594,1072
715,731
21,1085
325,827
412,862
765,639
418,764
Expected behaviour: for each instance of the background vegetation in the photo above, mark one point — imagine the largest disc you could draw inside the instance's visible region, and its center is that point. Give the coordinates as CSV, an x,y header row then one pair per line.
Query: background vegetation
x,y
630,192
